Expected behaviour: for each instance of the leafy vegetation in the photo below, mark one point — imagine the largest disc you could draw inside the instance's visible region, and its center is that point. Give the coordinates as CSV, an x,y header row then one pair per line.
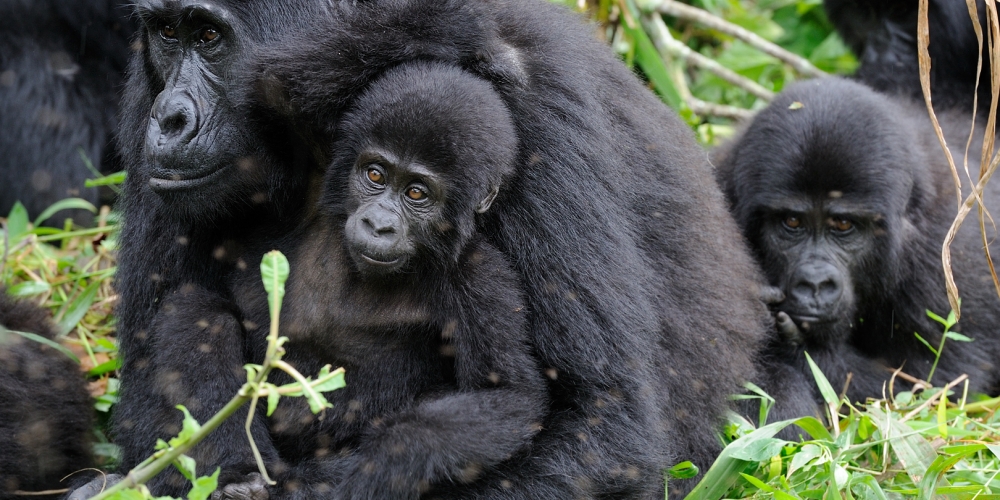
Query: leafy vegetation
x,y
932,442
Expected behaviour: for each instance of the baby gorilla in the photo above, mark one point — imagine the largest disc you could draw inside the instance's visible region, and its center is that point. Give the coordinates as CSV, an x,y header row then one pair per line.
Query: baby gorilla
x,y
393,282
846,198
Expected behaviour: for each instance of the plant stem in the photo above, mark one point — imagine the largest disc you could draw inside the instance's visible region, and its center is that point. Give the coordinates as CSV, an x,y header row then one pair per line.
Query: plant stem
x,y
142,474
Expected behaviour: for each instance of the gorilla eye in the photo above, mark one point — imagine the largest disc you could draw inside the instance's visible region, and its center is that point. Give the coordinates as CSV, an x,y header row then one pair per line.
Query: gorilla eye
x,y
167,31
416,194
375,175
792,222
842,225
208,35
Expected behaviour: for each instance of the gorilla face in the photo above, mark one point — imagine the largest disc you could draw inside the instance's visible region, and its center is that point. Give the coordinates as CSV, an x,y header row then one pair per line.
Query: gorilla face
x,y
823,192
815,251
204,152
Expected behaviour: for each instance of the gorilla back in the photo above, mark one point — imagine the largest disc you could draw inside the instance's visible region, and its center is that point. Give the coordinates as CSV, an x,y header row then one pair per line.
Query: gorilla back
x,y
883,35
62,63
846,201
45,410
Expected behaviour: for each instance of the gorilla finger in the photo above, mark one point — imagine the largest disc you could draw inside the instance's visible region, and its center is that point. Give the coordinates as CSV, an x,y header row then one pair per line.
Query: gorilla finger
x,y
254,488
95,487
787,329
772,295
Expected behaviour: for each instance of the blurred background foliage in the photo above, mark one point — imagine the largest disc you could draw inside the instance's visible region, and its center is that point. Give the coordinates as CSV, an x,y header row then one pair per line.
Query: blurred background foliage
x,y
708,102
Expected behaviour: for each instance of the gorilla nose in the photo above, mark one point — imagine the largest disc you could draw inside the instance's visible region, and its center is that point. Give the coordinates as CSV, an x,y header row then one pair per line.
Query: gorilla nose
x,y
174,120
381,226
816,286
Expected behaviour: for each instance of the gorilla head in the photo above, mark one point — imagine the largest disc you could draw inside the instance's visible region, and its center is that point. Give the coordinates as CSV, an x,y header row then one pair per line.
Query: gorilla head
x,y
846,197
202,149
423,151
827,190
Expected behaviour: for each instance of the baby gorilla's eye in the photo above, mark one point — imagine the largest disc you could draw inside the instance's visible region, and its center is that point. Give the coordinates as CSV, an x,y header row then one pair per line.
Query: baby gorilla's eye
x,y
792,222
375,175
209,34
415,193
842,225
167,31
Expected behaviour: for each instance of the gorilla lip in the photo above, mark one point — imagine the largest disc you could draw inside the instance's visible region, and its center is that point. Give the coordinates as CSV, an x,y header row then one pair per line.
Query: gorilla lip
x,y
171,184
375,262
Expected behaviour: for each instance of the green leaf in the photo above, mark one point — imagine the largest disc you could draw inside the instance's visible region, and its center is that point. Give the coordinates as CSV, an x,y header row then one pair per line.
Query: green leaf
x,y
204,486
273,396
34,337
829,395
189,426
329,381
952,319
105,367
187,466
274,271
958,337
727,469
913,451
107,180
649,60
29,288
683,470
815,428
127,494
78,308
867,487
67,204
761,485
759,450
941,464
806,454
17,222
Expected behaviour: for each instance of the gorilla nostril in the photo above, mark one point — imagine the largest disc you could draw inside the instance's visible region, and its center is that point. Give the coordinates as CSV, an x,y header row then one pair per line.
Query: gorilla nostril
x,y
173,124
378,228
176,119
816,286
828,287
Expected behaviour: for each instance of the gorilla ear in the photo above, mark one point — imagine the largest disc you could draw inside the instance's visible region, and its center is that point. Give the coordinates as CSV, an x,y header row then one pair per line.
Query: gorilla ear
x,y
484,205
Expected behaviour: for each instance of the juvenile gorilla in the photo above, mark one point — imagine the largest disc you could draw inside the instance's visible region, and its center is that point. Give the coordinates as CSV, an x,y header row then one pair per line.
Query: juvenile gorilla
x,y
846,202
62,63
45,409
883,35
394,282
603,222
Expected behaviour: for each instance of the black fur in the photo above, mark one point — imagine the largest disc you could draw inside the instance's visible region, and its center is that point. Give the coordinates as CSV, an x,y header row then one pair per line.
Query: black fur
x,y
605,221
874,161
612,223
62,63
883,34
45,409
441,384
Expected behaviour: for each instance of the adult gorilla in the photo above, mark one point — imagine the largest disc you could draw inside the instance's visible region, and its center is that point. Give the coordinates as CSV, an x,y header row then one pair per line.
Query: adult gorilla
x,y
605,222
61,66
846,200
883,35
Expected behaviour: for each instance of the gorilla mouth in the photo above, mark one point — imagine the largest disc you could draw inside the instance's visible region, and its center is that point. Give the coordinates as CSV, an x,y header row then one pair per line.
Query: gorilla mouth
x,y
177,182
378,262
806,321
